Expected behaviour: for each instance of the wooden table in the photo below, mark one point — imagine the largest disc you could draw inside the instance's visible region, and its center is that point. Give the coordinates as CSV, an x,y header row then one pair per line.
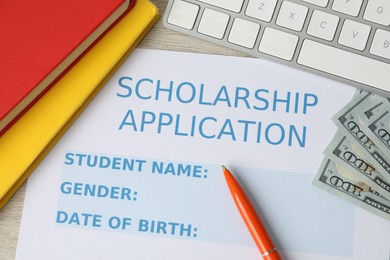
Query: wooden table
x,y
158,38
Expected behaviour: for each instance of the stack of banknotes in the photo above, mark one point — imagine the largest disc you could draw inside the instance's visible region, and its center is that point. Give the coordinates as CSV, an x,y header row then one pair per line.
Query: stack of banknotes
x,y
356,166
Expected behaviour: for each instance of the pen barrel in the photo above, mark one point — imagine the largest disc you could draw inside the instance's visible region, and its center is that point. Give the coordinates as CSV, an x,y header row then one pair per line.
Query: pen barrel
x,y
251,219
256,228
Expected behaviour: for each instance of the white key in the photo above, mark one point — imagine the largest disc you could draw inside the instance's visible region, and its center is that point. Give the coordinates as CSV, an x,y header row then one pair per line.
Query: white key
x,y
213,23
323,25
183,14
381,44
322,3
354,35
378,11
292,16
346,64
279,44
231,5
350,7
244,33
261,9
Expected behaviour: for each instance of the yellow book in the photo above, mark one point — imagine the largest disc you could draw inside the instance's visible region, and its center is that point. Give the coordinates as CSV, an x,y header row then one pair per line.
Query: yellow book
x,y
27,142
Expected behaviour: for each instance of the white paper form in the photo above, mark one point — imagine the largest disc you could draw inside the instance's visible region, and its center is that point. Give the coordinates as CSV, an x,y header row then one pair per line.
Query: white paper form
x,y
138,175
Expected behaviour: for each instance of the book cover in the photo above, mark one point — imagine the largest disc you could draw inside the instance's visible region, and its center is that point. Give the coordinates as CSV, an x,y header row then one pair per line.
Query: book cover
x,y
40,40
26,143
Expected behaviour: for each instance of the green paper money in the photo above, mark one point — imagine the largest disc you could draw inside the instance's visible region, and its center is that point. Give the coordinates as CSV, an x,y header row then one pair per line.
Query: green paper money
x,y
331,177
344,152
348,121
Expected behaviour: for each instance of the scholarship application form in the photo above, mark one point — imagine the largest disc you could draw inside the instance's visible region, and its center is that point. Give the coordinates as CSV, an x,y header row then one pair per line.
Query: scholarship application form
x,y
138,175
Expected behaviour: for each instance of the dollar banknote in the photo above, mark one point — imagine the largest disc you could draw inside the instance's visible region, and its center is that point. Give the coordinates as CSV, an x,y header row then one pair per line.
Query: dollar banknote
x,y
348,154
376,122
380,132
348,121
331,178
371,106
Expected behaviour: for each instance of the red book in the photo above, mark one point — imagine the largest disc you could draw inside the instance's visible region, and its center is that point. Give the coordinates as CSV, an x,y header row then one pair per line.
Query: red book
x,y
40,40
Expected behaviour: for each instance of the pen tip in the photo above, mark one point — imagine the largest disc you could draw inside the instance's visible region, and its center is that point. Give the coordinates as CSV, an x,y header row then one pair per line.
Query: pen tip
x,y
223,168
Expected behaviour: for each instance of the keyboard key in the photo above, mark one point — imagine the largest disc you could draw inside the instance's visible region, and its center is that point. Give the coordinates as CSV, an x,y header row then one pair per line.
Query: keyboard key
x,y
231,5
292,16
350,7
279,44
322,3
381,44
349,32
244,33
347,65
261,9
354,35
183,14
378,11
323,25
213,23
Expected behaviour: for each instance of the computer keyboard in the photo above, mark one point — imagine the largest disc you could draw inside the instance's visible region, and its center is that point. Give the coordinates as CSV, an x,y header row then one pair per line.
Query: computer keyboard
x,y
347,40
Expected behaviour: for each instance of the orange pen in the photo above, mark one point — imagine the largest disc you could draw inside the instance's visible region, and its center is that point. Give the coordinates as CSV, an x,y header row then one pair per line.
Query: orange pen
x,y
252,221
